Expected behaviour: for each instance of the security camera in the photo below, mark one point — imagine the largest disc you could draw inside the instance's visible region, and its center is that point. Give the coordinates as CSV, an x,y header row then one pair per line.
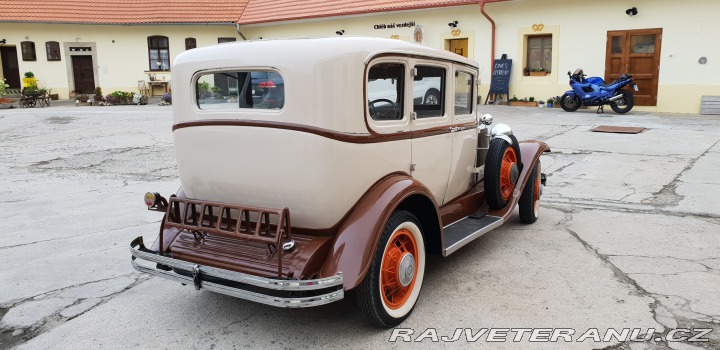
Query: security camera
x,y
340,32
631,11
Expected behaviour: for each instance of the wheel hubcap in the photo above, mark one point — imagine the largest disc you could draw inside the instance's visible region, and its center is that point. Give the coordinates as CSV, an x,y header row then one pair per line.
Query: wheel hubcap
x,y
406,269
397,276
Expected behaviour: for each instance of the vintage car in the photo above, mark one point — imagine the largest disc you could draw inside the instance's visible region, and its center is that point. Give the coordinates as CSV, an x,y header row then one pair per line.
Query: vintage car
x,y
292,204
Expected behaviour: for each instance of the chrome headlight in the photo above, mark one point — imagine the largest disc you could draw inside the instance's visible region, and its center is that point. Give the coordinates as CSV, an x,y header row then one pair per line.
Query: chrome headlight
x,y
501,129
486,119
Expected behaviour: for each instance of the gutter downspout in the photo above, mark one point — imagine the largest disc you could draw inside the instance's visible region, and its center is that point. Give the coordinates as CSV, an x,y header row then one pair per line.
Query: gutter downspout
x,y
237,26
492,50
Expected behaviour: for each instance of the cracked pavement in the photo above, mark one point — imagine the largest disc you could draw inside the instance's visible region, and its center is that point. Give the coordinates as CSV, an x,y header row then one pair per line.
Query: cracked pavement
x,y
628,237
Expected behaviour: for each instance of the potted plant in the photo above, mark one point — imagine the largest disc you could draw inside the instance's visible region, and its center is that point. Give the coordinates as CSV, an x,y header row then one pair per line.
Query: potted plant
x,y
4,102
29,80
98,94
203,89
32,89
525,102
167,98
111,100
550,102
538,72
217,92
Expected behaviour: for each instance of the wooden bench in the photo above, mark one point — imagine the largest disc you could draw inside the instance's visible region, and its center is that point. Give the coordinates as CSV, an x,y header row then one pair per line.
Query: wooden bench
x,y
710,105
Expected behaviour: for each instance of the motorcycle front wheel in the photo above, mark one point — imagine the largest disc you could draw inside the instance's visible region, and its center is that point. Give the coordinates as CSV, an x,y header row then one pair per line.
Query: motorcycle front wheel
x,y
570,103
623,104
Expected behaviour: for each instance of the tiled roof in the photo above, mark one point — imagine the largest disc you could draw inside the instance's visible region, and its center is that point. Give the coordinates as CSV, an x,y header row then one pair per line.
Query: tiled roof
x,y
266,11
122,12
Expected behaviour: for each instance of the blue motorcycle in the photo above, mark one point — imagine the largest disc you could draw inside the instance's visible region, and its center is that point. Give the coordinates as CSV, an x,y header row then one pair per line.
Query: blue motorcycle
x,y
593,91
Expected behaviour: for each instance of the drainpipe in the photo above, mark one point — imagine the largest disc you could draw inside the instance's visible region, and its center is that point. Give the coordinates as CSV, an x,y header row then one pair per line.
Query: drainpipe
x,y
492,50
237,26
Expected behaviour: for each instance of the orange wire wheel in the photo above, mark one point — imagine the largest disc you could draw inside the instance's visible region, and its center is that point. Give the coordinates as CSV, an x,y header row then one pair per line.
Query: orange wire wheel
x,y
507,184
391,287
502,170
399,269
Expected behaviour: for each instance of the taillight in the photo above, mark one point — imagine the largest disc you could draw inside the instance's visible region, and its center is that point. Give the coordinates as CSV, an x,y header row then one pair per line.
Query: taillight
x,y
150,199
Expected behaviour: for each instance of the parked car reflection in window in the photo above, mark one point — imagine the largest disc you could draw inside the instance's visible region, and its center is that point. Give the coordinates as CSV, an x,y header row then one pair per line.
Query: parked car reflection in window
x,y
240,89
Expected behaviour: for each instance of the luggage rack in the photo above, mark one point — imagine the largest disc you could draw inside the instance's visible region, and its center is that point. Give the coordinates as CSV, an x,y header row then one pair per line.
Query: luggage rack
x,y
254,224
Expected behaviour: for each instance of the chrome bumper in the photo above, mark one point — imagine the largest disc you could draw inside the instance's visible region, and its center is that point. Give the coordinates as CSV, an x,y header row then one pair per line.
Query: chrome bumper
x,y
200,273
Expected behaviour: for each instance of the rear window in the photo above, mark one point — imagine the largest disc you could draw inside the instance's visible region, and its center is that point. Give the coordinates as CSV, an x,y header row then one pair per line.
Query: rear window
x,y
240,90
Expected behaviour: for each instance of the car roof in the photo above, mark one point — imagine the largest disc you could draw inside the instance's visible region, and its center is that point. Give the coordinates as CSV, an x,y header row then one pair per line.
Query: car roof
x,y
260,52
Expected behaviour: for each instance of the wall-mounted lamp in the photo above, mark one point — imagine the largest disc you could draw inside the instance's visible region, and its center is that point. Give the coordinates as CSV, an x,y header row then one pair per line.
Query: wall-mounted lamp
x,y
453,24
631,11
2,42
340,32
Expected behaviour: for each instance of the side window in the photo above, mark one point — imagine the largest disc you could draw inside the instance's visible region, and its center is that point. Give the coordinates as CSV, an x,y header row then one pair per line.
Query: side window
x,y
158,53
385,91
28,50
240,90
190,43
539,54
463,93
429,92
53,50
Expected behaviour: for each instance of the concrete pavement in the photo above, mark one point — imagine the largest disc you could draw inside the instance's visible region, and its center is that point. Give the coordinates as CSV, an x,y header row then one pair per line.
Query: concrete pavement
x,y
627,238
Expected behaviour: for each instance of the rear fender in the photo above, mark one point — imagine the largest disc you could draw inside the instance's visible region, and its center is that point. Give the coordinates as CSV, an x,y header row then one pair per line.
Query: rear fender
x,y
358,235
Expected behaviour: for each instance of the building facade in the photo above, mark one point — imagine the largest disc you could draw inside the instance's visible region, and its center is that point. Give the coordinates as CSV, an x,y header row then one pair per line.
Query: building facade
x,y
669,47
73,47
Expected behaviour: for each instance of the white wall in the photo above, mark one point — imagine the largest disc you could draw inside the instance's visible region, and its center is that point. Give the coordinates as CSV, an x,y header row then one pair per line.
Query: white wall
x,y
579,29
121,51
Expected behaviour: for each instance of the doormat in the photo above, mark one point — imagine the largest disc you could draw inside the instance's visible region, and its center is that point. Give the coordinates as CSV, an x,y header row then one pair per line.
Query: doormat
x,y
618,129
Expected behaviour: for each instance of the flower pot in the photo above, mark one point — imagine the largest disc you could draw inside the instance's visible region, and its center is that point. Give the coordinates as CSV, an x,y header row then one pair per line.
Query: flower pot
x,y
54,97
537,74
523,103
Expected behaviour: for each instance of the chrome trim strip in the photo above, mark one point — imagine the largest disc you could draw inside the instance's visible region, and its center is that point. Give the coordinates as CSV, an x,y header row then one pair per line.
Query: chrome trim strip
x,y
451,249
267,283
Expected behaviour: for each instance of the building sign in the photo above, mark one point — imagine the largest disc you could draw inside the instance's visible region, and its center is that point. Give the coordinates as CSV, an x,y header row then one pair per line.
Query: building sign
x,y
500,82
394,25
81,49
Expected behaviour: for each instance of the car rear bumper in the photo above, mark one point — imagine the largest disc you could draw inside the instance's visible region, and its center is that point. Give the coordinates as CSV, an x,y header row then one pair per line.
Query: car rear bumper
x,y
270,291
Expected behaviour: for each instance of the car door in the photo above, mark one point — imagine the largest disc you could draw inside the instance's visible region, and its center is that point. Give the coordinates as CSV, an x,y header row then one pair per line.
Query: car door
x,y
464,135
430,124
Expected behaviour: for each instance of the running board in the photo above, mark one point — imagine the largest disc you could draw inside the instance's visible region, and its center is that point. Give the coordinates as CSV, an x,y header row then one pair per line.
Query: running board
x,y
466,230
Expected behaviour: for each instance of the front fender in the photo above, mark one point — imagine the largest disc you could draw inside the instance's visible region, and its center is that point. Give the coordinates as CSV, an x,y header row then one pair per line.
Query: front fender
x,y
358,234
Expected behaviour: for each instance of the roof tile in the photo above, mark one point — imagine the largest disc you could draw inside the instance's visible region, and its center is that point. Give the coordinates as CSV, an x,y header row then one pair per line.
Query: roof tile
x,y
266,11
122,12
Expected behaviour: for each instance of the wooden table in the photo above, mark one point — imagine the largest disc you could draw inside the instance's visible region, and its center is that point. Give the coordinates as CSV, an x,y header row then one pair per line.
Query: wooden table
x,y
153,84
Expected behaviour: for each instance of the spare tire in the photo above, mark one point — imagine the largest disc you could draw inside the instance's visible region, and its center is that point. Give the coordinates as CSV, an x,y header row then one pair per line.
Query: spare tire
x,y
502,170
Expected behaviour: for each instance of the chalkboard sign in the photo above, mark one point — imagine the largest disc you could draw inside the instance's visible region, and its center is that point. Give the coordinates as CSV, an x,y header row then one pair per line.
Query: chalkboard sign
x,y
500,82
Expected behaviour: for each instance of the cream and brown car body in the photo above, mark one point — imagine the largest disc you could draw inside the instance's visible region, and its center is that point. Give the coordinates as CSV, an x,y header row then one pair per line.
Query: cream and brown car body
x,y
320,153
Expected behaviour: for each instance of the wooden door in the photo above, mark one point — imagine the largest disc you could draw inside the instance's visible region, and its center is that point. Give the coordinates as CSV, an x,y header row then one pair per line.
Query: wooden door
x,y
10,69
635,52
458,46
84,74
